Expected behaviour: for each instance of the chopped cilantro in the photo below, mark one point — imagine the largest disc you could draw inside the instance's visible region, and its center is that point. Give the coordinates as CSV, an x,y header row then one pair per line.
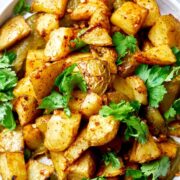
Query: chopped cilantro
x,y
135,174
7,59
176,52
21,7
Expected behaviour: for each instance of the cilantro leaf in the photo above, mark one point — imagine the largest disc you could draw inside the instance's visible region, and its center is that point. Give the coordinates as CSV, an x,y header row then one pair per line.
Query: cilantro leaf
x,y
135,174
77,44
156,168
21,7
111,158
6,96
176,52
124,45
143,72
7,59
27,154
174,72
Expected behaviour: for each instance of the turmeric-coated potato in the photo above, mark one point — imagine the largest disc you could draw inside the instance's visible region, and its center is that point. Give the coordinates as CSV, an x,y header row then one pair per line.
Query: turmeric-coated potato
x,y
12,31
174,128
61,130
116,97
147,45
129,17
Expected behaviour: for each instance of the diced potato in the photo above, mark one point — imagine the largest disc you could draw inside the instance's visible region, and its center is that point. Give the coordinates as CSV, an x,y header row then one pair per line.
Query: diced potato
x,y
118,3
12,31
174,128
147,45
47,23
168,149
84,167
43,79
90,36
41,123
142,153
110,171
61,130
38,171
12,166
116,97
58,45
26,108
91,104
57,7
139,89
129,17
35,59
11,141
153,8
32,136
161,55
165,31
101,130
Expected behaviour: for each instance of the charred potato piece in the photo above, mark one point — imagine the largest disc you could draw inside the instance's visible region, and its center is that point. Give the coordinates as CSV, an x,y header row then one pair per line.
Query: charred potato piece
x,y
12,31
153,9
11,141
57,46
46,23
129,17
57,7
161,55
38,171
165,31
12,166
32,136
174,129
26,108
61,131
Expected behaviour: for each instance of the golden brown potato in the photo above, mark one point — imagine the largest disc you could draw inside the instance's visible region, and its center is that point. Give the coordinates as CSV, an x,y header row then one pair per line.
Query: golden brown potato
x,y
32,136
61,130
161,55
139,89
35,59
165,31
116,97
26,108
38,171
174,128
12,31
57,7
153,8
11,141
12,166
46,23
147,45
129,17
84,167
142,153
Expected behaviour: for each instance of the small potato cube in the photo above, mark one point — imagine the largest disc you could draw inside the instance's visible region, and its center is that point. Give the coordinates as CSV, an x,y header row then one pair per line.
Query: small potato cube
x,y
153,8
90,36
26,108
35,59
161,55
84,167
57,7
129,17
61,130
11,141
12,31
12,166
142,153
116,97
139,89
32,136
47,23
58,45
174,129
165,31
91,104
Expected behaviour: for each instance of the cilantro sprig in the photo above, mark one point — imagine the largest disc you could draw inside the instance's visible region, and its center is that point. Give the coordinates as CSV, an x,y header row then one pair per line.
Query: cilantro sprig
x,y
7,59
124,45
66,82
21,7
124,112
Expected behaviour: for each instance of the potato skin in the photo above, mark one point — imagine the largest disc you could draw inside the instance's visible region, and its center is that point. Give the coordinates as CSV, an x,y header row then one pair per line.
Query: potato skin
x,y
12,31
129,17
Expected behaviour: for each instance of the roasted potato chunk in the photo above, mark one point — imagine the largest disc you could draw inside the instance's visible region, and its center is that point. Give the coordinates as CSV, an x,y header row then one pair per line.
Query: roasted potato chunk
x,y
61,131
12,31
165,31
38,171
147,45
154,12
26,108
129,17
12,166
161,55
57,7
58,45
11,141
174,129
116,97
142,153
